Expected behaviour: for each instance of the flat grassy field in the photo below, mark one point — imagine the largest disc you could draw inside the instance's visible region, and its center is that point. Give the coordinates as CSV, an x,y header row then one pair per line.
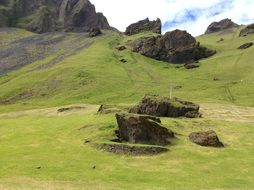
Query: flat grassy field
x,y
41,148
44,149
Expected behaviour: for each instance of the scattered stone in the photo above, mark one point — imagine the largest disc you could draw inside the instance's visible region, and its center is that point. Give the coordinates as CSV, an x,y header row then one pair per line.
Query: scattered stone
x,y
173,47
138,129
95,32
132,150
38,168
144,25
94,167
178,87
246,45
121,48
208,138
247,30
123,60
220,40
220,26
166,107
191,65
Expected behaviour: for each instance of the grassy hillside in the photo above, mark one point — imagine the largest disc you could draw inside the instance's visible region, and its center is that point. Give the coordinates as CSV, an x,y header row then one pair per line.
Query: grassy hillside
x,y
41,148
95,75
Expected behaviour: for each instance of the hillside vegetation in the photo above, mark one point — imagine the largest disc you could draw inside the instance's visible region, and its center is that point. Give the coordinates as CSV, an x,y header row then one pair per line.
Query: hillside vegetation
x,y
96,75
42,148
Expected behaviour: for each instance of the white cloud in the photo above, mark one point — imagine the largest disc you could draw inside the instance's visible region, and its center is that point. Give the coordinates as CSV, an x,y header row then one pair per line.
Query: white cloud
x,y
121,13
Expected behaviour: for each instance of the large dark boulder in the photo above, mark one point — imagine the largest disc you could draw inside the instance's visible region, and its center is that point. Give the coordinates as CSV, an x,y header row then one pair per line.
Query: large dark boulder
x,y
140,129
220,26
144,25
53,15
247,30
208,138
174,47
166,107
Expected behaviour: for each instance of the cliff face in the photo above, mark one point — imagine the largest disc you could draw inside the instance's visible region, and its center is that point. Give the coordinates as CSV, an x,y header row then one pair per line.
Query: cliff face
x,y
51,15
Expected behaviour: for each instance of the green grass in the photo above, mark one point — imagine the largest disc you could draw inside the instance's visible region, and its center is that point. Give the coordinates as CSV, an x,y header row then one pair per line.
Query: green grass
x,y
95,75
55,142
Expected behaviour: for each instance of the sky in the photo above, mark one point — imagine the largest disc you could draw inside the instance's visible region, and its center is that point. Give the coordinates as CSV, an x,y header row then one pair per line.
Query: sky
x,y
191,15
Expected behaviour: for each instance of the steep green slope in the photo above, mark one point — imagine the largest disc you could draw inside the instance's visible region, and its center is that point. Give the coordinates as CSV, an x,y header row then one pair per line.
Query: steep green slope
x,y
96,75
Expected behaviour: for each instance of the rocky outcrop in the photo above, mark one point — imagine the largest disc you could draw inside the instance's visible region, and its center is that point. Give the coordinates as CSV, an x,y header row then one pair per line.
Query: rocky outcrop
x,y
144,25
246,45
173,47
139,129
80,15
220,26
247,30
166,107
52,15
208,138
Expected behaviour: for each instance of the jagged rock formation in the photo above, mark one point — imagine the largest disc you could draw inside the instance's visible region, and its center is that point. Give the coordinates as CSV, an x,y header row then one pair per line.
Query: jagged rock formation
x,y
142,130
165,107
208,138
50,15
144,25
220,26
247,30
174,47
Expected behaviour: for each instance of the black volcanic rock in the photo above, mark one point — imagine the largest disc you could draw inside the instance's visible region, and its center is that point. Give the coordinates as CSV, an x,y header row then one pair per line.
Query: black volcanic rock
x,y
247,30
174,47
220,26
142,130
53,15
144,25
165,107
